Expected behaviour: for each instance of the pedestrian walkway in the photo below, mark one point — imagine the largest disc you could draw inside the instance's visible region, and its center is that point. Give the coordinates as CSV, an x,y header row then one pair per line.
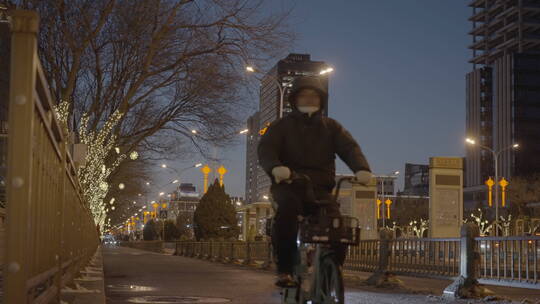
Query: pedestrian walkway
x,y
135,276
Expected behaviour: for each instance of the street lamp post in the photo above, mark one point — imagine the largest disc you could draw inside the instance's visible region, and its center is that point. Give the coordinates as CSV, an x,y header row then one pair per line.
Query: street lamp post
x,y
180,171
495,155
279,85
251,69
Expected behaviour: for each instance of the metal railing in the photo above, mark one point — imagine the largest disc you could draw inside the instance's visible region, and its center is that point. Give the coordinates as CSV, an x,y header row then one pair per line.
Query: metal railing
x,y
508,261
436,257
2,237
513,261
254,253
364,257
50,231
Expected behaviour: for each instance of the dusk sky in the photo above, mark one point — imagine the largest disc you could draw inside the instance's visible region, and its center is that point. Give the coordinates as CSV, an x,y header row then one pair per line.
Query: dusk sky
x,y
398,84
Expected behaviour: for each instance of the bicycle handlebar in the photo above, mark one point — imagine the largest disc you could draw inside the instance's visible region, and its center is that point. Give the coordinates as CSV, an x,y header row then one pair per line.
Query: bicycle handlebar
x,y
309,185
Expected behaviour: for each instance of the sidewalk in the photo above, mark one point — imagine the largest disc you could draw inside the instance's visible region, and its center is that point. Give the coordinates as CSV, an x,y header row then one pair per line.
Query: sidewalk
x,y
176,275
435,287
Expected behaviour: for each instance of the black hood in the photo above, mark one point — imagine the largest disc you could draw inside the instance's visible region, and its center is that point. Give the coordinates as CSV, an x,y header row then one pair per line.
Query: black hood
x,y
305,82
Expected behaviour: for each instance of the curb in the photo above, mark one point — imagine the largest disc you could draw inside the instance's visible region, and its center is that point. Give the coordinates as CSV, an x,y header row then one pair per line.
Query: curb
x,y
89,287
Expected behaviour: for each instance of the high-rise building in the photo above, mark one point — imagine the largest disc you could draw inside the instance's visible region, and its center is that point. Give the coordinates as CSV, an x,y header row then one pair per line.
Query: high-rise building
x,y
416,180
386,184
281,75
503,90
252,163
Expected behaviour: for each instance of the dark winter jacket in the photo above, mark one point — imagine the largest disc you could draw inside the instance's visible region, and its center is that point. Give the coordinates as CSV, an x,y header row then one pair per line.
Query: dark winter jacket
x,y
308,145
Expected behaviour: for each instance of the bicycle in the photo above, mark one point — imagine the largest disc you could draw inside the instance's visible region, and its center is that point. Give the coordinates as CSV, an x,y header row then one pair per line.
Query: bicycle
x,y
318,276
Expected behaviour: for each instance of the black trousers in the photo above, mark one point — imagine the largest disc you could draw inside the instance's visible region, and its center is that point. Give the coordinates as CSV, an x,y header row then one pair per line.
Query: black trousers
x,y
291,202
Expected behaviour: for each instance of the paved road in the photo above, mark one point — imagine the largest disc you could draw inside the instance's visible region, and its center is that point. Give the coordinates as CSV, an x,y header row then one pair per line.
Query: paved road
x,y
131,275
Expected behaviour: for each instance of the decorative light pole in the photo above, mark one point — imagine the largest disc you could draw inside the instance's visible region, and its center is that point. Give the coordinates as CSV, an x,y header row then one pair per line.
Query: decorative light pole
x,y
496,154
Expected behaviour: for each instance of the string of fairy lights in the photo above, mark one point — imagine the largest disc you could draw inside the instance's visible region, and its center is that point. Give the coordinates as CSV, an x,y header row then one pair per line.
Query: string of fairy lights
x,y
94,173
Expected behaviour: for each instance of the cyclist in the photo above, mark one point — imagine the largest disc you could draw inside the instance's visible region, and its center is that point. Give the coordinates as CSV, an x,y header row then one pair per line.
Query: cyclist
x,y
305,142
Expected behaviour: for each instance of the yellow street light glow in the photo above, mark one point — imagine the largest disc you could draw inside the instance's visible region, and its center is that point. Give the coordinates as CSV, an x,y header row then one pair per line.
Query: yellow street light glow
x,y
326,71
244,131
515,146
194,131
163,166
198,165
470,141
250,69
265,197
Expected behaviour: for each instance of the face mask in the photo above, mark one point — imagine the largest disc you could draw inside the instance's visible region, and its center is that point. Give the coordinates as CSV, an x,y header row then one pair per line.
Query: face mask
x,y
308,109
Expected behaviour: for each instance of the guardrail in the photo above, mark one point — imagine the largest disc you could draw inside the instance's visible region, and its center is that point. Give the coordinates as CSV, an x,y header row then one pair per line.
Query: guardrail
x,y
510,261
507,261
50,230
2,238
248,253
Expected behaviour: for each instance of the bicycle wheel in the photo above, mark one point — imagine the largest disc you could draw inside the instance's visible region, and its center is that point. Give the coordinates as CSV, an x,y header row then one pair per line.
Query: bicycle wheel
x,y
330,283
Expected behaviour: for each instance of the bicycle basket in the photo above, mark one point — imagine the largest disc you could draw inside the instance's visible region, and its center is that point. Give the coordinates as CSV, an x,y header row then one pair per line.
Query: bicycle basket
x,y
326,229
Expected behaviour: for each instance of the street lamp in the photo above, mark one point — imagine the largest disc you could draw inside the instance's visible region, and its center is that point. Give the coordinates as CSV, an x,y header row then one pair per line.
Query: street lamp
x,y
252,69
244,131
179,172
495,154
155,205
393,175
326,71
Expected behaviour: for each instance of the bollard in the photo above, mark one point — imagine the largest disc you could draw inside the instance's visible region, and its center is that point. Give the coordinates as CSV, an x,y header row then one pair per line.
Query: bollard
x,y
466,285
247,261
268,261
231,255
382,275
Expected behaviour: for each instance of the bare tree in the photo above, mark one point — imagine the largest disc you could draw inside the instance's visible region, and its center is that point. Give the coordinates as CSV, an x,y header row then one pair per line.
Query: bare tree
x,y
161,68
133,178
168,66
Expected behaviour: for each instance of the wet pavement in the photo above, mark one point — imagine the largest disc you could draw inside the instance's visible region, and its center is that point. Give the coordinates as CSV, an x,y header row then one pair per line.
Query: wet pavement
x,y
135,276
